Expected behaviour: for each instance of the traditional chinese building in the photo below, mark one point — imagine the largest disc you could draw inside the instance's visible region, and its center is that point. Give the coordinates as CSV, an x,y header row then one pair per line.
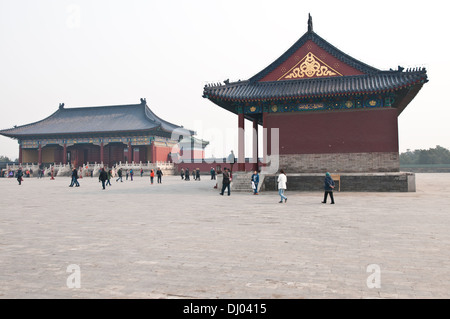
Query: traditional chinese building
x,y
332,111
106,134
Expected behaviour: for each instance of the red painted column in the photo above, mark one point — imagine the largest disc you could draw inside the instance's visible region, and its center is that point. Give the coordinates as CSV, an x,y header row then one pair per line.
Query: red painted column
x,y
40,154
153,152
266,138
130,153
255,145
75,158
241,143
20,154
65,153
192,150
102,157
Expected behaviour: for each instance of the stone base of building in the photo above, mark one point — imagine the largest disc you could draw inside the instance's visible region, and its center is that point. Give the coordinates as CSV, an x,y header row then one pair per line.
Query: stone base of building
x,y
340,162
347,182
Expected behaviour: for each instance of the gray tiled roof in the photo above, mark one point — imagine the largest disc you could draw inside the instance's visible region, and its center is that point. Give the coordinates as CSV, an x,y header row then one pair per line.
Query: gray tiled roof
x,y
104,119
372,80
382,81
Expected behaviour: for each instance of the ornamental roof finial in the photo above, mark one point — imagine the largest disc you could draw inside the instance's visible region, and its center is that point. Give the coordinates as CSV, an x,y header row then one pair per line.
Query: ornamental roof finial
x,y
310,23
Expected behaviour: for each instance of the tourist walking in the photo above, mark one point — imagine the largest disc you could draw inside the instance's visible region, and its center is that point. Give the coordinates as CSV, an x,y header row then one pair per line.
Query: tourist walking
x,y
103,177
182,174
152,175
108,181
213,173
282,181
131,174
126,171
159,173
119,173
142,172
186,174
328,186
255,182
225,181
197,174
19,175
74,179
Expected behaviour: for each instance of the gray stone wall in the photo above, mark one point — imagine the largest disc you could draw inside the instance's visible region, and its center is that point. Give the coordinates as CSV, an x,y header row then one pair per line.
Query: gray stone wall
x,y
350,182
342,162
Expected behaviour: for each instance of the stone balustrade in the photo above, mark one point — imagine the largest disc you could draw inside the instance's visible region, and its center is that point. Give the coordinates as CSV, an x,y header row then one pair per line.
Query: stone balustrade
x,y
92,169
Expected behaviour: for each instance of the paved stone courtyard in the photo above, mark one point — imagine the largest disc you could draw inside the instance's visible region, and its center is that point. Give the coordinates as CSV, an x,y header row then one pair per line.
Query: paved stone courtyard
x,y
182,240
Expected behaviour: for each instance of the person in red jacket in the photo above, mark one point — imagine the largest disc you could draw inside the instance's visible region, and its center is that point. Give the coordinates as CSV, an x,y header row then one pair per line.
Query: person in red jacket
x,y
152,175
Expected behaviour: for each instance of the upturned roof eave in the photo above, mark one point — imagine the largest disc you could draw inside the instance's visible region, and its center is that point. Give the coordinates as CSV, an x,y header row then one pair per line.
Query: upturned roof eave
x,y
420,77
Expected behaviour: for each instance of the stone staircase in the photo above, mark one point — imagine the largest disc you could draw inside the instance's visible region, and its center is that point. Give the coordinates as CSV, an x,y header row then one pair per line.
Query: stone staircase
x,y
241,182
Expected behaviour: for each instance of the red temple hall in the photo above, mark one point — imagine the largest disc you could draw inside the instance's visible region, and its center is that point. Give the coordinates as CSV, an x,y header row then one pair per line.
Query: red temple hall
x,y
106,134
332,111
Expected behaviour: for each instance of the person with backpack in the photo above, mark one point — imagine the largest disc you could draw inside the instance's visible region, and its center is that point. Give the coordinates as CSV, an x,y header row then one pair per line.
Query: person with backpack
x,y
328,186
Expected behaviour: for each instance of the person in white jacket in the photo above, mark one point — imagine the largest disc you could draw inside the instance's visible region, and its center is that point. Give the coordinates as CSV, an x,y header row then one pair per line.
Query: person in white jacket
x,y
282,180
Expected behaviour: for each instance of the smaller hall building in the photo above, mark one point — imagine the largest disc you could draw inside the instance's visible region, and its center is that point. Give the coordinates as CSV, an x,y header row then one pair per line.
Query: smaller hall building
x,y
105,134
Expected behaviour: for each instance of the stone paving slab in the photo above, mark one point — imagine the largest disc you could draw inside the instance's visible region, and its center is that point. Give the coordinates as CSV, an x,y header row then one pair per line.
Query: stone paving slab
x,y
183,240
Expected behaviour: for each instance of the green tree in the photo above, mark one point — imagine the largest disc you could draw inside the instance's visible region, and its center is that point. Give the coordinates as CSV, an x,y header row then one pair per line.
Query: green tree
x,y
4,159
437,155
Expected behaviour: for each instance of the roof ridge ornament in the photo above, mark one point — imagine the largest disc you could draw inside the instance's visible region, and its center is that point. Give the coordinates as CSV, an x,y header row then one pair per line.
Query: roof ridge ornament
x,y
310,23
61,106
143,101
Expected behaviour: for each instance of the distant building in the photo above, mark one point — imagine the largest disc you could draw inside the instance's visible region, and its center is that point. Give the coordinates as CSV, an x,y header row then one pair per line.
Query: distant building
x,y
106,134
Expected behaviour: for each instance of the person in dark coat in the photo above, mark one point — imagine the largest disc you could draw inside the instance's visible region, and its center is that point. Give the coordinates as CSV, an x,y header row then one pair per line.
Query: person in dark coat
x,y
197,174
328,186
159,174
119,173
74,178
103,177
19,175
225,181
182,173
213,173
109,174
186,175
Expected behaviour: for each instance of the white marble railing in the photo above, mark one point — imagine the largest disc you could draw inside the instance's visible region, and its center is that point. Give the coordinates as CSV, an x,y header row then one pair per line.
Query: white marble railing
x,y
88,169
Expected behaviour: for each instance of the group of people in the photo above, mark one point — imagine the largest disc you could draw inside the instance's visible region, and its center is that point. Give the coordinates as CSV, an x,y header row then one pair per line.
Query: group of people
x,y
328,187
282,185
159,175
105,176
185,175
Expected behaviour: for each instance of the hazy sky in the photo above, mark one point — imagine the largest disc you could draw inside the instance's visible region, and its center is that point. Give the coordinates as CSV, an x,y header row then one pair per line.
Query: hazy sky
x,y
104,52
